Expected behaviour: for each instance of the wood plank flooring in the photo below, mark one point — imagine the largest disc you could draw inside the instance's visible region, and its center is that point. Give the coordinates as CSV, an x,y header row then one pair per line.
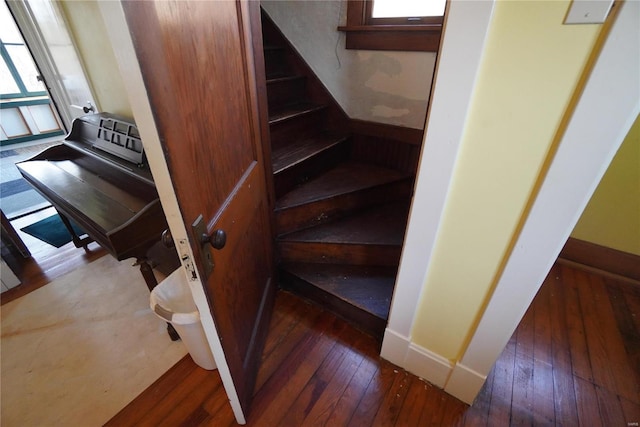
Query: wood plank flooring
x,y
574,360
46,262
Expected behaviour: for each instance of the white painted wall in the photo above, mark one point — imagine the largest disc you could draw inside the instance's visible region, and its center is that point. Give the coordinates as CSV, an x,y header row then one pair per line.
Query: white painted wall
x,y
378,86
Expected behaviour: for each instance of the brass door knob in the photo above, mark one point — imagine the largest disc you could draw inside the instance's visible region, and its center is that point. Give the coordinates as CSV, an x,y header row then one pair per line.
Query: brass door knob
x,y
217,239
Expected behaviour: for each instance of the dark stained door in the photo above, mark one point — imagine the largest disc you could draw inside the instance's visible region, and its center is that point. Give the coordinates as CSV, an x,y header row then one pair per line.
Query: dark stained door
x,y
198,67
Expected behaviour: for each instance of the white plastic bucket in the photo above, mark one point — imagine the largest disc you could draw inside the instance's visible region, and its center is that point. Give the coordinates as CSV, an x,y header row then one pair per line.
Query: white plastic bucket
x,y
171,300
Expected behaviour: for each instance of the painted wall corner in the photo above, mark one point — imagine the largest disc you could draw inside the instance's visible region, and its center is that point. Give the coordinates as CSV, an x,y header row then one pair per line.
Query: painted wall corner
x,y
612,216
524,88
96,52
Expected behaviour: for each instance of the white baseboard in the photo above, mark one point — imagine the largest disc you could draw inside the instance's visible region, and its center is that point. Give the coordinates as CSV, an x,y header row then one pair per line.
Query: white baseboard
x,y
428,365
464,383
394,347
8,277
459,381
419,361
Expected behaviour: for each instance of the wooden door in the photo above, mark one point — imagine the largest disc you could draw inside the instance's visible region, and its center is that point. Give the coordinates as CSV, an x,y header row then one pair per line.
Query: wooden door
x,y
198,67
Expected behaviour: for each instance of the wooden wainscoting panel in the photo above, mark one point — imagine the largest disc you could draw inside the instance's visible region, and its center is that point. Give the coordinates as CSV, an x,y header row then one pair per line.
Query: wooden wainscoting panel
x,y
386,152
601,258
383,130
396,147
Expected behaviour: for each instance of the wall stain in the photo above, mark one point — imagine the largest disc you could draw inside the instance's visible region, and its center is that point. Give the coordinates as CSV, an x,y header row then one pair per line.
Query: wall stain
x,y
386,87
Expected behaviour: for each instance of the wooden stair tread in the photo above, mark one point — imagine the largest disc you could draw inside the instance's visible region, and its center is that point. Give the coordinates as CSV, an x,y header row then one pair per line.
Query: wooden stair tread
x,y
365,287
379,225
291,111
344,178
298,151
284,78
341,222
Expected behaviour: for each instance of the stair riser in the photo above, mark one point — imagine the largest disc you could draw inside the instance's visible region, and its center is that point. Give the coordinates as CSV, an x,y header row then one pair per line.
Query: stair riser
x,y
301,127
322,211
361,319
337,253
284,181
284,92
274,62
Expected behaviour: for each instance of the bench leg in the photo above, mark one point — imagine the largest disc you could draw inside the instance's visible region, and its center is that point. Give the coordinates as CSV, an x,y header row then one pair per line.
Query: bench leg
x,y
147,273
77,241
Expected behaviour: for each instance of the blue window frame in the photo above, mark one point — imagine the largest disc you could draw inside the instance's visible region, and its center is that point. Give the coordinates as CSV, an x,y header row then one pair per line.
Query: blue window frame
x,y
19,76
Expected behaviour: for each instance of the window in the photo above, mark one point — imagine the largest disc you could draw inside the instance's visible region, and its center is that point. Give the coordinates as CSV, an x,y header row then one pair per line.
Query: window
x,y
19,76
405,12
26,113
413,25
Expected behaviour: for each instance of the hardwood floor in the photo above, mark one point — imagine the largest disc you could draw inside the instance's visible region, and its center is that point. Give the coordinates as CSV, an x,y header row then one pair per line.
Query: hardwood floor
x,y
46,262
574,360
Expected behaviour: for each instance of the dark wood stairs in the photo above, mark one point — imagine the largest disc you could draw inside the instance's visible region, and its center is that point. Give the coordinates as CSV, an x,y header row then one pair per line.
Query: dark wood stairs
x,y
340,221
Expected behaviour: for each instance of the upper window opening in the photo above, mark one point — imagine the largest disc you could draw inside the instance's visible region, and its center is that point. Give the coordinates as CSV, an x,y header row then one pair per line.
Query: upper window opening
x,y
410,25
410,9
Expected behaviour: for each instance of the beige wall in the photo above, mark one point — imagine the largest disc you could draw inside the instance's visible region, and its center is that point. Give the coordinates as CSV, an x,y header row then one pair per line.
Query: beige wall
x,y
96,53
530,68
612,217
379,86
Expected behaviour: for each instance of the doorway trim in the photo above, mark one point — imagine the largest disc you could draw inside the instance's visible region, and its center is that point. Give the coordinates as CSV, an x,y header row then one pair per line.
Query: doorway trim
x,y
603,116
608,106
458,63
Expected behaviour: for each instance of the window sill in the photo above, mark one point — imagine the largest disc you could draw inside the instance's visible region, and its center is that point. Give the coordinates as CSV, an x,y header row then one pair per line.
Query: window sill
x,y
421,38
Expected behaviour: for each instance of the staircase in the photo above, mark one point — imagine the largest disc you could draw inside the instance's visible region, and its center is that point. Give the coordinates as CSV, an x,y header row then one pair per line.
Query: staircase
x,y
340,221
